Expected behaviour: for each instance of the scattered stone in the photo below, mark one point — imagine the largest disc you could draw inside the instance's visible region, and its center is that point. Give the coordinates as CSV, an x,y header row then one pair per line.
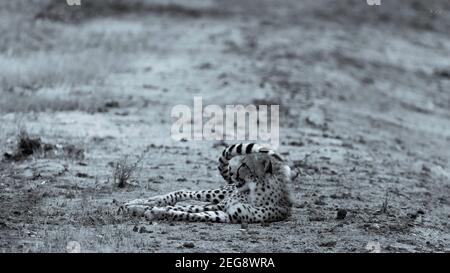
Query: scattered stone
x,y
361,140
205,66
328,244
82,175
376,226
149,86
73,152
112,104
296,143
316,218
144,229
347,145
367,81
320,202
316,119
122,113
413,216
188,245
426,169
442,73
341,214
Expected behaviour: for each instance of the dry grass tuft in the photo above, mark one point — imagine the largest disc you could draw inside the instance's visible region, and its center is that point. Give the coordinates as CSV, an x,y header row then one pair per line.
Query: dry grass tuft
x,y
26,146
385,205
124,169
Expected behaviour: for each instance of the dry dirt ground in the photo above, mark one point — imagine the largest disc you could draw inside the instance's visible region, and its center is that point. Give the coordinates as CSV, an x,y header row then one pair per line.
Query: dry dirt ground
x,y
365,116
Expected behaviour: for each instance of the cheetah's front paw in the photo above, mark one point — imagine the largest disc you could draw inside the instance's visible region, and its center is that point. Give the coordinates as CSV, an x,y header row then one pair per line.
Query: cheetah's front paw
x,y
149,202
135,210
145,211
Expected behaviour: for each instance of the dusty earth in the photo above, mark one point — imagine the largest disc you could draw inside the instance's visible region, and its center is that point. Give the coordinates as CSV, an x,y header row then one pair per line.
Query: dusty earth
x,y
365,117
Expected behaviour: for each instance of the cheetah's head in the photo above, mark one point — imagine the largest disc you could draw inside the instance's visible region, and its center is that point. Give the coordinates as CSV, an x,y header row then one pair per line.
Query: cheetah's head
x,y
259,168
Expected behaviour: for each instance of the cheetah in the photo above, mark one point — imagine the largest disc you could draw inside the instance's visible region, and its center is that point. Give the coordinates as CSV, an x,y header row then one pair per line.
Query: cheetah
x,y
257,192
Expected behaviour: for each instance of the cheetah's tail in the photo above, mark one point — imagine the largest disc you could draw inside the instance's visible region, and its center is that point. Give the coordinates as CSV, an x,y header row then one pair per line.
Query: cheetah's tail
x,y
241,149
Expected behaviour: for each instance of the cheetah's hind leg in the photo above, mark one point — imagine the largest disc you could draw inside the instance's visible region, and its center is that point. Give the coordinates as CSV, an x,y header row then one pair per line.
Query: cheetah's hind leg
x,y
154,211
177,215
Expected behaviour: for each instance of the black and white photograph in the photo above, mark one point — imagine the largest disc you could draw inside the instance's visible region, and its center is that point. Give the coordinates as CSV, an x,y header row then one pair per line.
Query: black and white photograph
x,y
224,126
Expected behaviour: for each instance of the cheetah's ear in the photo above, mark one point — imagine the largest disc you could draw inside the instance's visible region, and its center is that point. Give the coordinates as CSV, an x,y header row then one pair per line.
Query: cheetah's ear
x,y
268,167
277,157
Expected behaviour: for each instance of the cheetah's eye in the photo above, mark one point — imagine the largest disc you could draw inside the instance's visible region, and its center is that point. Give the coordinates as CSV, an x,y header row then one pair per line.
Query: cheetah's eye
x,y
243,172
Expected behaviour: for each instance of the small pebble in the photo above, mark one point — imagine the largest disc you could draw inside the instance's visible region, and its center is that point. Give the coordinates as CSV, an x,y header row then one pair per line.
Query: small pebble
x,y
341,214
188,245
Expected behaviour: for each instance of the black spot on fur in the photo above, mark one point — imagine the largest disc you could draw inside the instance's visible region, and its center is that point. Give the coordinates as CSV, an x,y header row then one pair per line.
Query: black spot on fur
x,y
232,147
249,148
239,148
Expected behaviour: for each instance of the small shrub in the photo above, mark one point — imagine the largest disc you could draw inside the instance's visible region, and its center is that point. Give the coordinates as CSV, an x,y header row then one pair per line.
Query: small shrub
x,y
124,169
